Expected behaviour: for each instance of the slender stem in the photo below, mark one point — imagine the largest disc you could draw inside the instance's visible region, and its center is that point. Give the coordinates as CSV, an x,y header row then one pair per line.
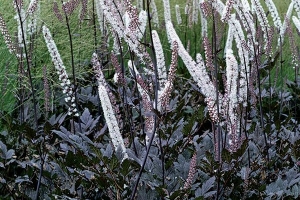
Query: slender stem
x,y
28,66
155,107
40,176
73,66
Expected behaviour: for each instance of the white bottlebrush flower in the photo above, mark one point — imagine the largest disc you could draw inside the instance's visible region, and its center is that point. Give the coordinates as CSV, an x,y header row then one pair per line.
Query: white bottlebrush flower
x,y
297,7
243,11
155,19
262,19
219,6
33,5
232,74
167,12
274,13
100,16
195,11
142,24
203,20
178,14
126,20
109,114
296,22
229,40
161,67
197,70
227,10
246,5
60,68
33,14
21,19
285,23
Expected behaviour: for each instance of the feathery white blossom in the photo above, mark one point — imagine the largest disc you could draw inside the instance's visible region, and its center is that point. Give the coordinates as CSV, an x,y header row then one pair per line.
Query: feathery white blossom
x,y
285,22
297,7
167,12
142,24
155,19
195,11
232,89
109,114
296,22
203,20
274,13
100,16
161,67
262,19
21,19
178,14
61,71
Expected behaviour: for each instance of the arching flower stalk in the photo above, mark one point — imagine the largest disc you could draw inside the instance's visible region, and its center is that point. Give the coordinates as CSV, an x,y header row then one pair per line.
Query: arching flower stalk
x,y
109,113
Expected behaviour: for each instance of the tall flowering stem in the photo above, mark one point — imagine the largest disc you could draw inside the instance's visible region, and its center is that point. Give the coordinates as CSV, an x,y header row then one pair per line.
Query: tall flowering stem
x,y
109,113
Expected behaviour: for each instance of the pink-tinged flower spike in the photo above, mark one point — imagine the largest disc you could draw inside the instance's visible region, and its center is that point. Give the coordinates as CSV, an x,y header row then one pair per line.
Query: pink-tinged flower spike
x,y
192,172
243,11
178,14
61,71
147,103
33,12
297,7
262,19
129,35
154,18
274,13
161,67
285,23
243,52
232,75
7,39
109,113
203,20
227,10
33,5
164,98
70,6
57,12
